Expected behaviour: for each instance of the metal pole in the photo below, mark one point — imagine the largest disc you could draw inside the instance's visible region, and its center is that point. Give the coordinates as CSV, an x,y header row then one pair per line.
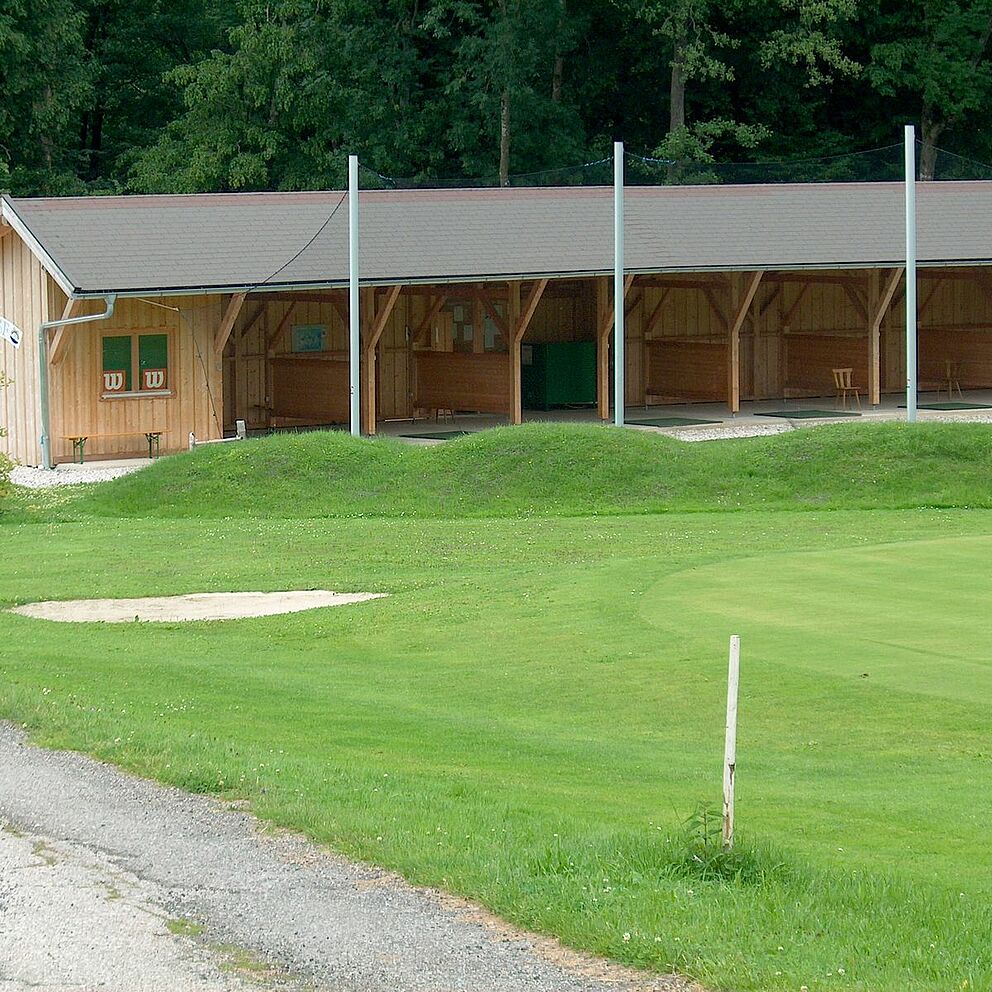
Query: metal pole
x,y
43,389
353,315
619,392
730,742
911,315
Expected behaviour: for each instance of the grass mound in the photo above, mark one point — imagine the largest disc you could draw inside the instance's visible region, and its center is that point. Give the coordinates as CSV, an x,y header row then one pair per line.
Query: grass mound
x,y
561,469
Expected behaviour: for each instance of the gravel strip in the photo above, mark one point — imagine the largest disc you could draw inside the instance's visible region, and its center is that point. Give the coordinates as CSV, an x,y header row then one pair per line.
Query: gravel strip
x,y
346,927
43,478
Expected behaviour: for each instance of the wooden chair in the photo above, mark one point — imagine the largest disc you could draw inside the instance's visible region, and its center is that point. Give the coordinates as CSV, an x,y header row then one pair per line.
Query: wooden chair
x,y
845,387
951,381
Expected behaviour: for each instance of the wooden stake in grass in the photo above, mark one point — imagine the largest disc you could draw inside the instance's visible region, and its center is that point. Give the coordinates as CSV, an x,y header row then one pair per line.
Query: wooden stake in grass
x,y
730,745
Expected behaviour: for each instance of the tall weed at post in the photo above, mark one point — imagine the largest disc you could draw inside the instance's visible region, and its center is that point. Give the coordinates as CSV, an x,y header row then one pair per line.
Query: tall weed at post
x,y
698,852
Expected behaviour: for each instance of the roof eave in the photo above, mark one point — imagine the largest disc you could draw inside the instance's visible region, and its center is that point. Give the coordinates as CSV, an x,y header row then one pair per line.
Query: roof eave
x,y
453,280
9,213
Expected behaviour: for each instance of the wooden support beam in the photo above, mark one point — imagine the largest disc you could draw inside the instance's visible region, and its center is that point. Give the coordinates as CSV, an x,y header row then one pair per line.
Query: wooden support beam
x,y
711,299
341,309
796,303
880,297
494,316
59,347
252,321
854,295
814,276
478,326
928,299
529,308
423,328
514,398
605,319
676,282
227,323
743,293
655,316
274,337
605,323
370,341
519,327
771,298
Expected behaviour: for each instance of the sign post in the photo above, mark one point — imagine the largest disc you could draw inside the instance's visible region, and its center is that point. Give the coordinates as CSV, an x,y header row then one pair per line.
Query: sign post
x,y
730,744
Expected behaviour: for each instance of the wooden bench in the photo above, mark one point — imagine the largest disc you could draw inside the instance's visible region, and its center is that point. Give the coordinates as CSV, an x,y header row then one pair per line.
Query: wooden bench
x,y
79,441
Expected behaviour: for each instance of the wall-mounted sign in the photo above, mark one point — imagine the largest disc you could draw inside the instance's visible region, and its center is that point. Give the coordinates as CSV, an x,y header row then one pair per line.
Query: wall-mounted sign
x,y
153,378
9,331
309,337
114,381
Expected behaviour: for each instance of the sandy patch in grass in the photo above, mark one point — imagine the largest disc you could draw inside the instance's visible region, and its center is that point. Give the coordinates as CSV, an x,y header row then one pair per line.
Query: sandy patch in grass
x,y
195,606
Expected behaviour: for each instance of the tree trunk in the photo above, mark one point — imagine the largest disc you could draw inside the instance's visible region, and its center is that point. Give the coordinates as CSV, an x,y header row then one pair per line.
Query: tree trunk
x,y
930,132
676,100
559,67
504,138
676,93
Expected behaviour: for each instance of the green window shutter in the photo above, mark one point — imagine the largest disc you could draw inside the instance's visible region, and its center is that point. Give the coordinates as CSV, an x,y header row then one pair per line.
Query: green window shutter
x,y
117,356
153,353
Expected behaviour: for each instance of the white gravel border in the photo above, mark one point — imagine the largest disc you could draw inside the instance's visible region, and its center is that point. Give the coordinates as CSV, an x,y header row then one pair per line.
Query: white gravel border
x,y
44,478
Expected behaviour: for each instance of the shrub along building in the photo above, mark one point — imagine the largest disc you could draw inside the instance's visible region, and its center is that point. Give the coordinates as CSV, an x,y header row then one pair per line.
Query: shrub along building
x,y
208,309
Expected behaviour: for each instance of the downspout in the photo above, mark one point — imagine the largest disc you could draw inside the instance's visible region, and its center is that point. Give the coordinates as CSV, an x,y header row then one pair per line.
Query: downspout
x,y
43,328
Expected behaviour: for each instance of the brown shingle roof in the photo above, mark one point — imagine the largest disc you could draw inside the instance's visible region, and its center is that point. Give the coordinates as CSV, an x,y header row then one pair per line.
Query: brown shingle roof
x,y
157,244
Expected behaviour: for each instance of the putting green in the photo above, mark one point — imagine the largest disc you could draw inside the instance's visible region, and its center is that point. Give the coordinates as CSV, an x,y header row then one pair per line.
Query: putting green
x,y
910,616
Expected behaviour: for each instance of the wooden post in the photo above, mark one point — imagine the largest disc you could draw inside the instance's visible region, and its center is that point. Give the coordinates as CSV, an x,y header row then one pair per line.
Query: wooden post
x,y
60,343
730,743
519,317
605,319
742,296
478,324
603,325
512,320
874,349
227,323
879,298
374,323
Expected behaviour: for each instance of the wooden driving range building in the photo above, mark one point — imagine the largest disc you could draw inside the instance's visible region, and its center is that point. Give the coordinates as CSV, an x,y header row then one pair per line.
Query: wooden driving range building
x,y
215,308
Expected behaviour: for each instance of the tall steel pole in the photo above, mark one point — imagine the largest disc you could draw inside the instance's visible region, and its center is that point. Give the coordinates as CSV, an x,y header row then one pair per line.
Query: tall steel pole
x,y
911,315
619,392
354,334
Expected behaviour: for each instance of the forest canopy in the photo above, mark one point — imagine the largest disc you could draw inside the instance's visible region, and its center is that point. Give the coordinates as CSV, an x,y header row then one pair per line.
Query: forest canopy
x,y
107,96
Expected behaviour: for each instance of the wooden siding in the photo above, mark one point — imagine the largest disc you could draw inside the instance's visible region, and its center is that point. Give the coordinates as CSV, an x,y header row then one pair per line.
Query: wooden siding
x,y
77,403
450,381
24,299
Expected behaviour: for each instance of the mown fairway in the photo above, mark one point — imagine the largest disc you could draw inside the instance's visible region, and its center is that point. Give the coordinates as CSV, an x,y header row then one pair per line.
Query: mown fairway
x,y
539,704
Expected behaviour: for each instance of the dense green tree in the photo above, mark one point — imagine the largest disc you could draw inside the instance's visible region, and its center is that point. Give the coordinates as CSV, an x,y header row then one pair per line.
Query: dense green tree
x,y
305,82
931,56
102,95
44,81
132,46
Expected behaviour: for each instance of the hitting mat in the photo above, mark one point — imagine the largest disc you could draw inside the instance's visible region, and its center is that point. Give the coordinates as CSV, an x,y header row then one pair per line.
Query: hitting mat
x,y
810,414
951,406
438,435
671,422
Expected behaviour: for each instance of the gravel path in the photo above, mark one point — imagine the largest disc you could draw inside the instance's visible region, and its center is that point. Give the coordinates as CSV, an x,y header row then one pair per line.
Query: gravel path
x,y
314,918
71,919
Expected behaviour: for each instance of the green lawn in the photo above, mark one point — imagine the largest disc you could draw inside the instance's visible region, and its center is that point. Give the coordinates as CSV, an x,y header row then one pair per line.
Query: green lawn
x,y
538,705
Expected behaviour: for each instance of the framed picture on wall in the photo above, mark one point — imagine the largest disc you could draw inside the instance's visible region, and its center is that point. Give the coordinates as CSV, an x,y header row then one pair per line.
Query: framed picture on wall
x,y
309,337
